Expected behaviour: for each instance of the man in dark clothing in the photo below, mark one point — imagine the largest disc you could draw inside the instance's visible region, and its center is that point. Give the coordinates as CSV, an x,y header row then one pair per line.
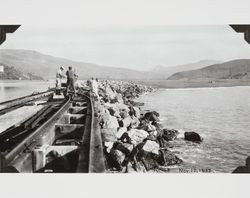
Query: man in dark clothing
x,y
70,80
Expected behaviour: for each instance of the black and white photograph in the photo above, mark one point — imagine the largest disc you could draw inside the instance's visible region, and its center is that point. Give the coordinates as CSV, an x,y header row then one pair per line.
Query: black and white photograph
x,y
120,88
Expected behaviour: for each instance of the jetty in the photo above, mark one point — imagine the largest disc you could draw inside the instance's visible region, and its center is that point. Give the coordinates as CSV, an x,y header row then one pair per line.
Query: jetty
x,y
98,129
61,137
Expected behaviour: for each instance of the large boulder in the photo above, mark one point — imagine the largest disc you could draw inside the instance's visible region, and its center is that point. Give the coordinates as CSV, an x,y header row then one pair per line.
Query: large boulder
x,y
110,122
243,169
137,135
192,136
146,125
126,121
162,142
126,148
121,106
117,158
108,135
110,93
121,131
152,116
149,159
151,147
169,134
123,114
134,122
168,158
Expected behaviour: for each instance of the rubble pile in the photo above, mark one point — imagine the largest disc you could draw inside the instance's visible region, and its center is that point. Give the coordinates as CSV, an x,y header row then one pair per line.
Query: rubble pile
x,y
133,139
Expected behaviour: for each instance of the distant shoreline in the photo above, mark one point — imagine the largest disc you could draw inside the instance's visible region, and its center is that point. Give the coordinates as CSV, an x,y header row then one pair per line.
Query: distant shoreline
x,y
175,84
169,84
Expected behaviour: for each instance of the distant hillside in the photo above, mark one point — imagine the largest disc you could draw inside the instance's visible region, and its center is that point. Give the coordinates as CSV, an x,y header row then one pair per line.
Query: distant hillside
x,y
10,73
236,69
46,66
165,72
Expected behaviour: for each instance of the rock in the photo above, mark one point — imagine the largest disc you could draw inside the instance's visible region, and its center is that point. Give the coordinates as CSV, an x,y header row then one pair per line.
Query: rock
x,y
152,137
149,160
124,114
134,122
169,134
137,135
168,158
130,168
110,93
162,142
101,92
243,169
137,112
126,148
193,136
151,147
152,116
126,121
147,126
109,146
117,158
111,122
121,130
121,106
138,103
158,127
108,135
103,117
135,167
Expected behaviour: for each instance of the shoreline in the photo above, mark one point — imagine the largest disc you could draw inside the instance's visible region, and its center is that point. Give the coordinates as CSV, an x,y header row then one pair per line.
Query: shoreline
x,y
133,138
236,169
182,84
166,84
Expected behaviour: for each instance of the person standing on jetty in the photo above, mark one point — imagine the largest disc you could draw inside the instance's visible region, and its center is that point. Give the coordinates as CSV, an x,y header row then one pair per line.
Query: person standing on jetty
x,y
94,87
70,80
59,76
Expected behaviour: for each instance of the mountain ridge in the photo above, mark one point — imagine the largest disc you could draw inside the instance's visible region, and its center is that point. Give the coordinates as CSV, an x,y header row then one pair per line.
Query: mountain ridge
x,y
168,71
31,61
234,69
46,66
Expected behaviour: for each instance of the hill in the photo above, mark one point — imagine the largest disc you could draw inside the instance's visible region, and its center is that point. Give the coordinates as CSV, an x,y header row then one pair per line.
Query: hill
x,y
236,69
166,72
10,73
46,66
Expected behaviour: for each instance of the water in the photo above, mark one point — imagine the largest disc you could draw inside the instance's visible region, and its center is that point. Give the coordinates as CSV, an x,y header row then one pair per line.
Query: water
x,y
10,89
219,115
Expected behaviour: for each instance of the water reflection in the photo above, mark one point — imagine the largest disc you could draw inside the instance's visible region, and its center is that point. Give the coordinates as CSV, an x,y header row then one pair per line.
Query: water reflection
x,y
10,89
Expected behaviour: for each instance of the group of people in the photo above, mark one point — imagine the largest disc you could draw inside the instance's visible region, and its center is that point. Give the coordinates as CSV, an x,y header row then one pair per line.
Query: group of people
x,y
71,79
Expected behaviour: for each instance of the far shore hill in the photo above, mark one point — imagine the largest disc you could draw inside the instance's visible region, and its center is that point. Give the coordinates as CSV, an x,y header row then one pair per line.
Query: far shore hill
x,y
11,73
43,65
205,73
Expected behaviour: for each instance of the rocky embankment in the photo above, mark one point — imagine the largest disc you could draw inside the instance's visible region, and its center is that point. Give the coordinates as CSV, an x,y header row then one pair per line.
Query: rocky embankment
x,y
133,139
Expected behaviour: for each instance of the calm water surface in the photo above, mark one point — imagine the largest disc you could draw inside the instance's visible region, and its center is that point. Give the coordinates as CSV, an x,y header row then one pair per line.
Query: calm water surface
x,y
10,89
220,115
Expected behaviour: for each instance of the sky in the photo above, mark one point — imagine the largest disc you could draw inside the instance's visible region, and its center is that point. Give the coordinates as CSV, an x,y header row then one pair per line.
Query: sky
x,y
138,34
